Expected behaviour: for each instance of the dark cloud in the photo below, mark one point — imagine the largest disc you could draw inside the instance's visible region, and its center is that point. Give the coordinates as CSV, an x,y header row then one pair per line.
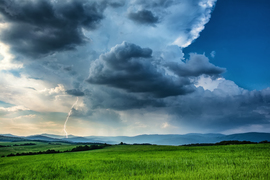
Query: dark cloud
x,y
42,27
75,92
131,68
143,17
68,68
109,98
225,108
116,4
197,65
222,109
155,3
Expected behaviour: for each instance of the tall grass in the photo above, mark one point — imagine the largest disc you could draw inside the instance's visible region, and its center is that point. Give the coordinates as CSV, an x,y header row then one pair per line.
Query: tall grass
x,y
145,162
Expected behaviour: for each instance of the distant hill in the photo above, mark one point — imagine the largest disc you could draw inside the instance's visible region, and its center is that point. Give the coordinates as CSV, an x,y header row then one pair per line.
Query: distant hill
x,y
167,139
252,136
6,138
77,139
159,139
42,138
53,136
9,135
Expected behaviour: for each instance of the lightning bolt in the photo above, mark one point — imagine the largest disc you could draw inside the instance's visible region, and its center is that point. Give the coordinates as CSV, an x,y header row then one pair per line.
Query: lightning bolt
x,y
69,113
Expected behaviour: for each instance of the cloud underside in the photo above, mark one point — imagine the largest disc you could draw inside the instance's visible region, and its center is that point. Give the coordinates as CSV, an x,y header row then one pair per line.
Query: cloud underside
x,y
197,65
226,107
75,92
143,17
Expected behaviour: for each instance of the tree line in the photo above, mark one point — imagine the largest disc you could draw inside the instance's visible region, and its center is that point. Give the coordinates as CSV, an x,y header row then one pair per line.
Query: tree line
x,y
232,142
25,144
52,151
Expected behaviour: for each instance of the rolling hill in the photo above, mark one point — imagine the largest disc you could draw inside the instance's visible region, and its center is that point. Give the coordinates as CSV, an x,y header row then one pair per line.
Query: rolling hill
x,y
159,139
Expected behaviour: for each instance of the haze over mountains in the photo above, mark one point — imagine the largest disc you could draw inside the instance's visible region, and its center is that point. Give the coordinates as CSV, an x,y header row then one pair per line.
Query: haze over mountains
x,y
159,139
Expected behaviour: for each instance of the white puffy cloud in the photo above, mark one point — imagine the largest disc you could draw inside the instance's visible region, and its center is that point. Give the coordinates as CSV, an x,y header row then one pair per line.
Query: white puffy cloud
x,y
60,89
13,109
208,83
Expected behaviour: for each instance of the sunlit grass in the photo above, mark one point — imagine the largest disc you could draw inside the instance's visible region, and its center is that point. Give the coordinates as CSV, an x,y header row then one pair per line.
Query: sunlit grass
x,y
144,162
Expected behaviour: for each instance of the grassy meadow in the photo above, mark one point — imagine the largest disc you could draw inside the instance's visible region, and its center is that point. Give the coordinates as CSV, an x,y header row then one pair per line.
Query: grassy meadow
x,y
40,146
251,161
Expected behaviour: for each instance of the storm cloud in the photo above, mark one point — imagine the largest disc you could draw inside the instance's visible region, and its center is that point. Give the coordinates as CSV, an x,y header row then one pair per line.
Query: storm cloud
x,y
75,92
124,61
196,65
37,28
130,67
143,17
226,107
119,100
155,3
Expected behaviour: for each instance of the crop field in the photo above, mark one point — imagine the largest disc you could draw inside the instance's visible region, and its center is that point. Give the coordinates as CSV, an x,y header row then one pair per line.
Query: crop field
x,y
251,161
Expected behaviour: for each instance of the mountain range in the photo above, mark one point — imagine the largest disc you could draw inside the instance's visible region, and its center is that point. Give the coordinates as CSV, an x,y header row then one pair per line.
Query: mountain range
x,y
159,139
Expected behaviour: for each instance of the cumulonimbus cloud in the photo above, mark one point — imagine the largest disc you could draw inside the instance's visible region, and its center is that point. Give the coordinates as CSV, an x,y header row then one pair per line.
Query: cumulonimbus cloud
x,y
130,67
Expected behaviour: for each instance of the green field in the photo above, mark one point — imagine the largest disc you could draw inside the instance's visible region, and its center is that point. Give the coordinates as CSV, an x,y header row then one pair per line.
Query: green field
x,y
40,146
250,161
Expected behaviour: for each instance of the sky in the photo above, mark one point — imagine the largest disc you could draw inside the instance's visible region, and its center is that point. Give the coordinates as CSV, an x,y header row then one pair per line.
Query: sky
x,y
130,67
